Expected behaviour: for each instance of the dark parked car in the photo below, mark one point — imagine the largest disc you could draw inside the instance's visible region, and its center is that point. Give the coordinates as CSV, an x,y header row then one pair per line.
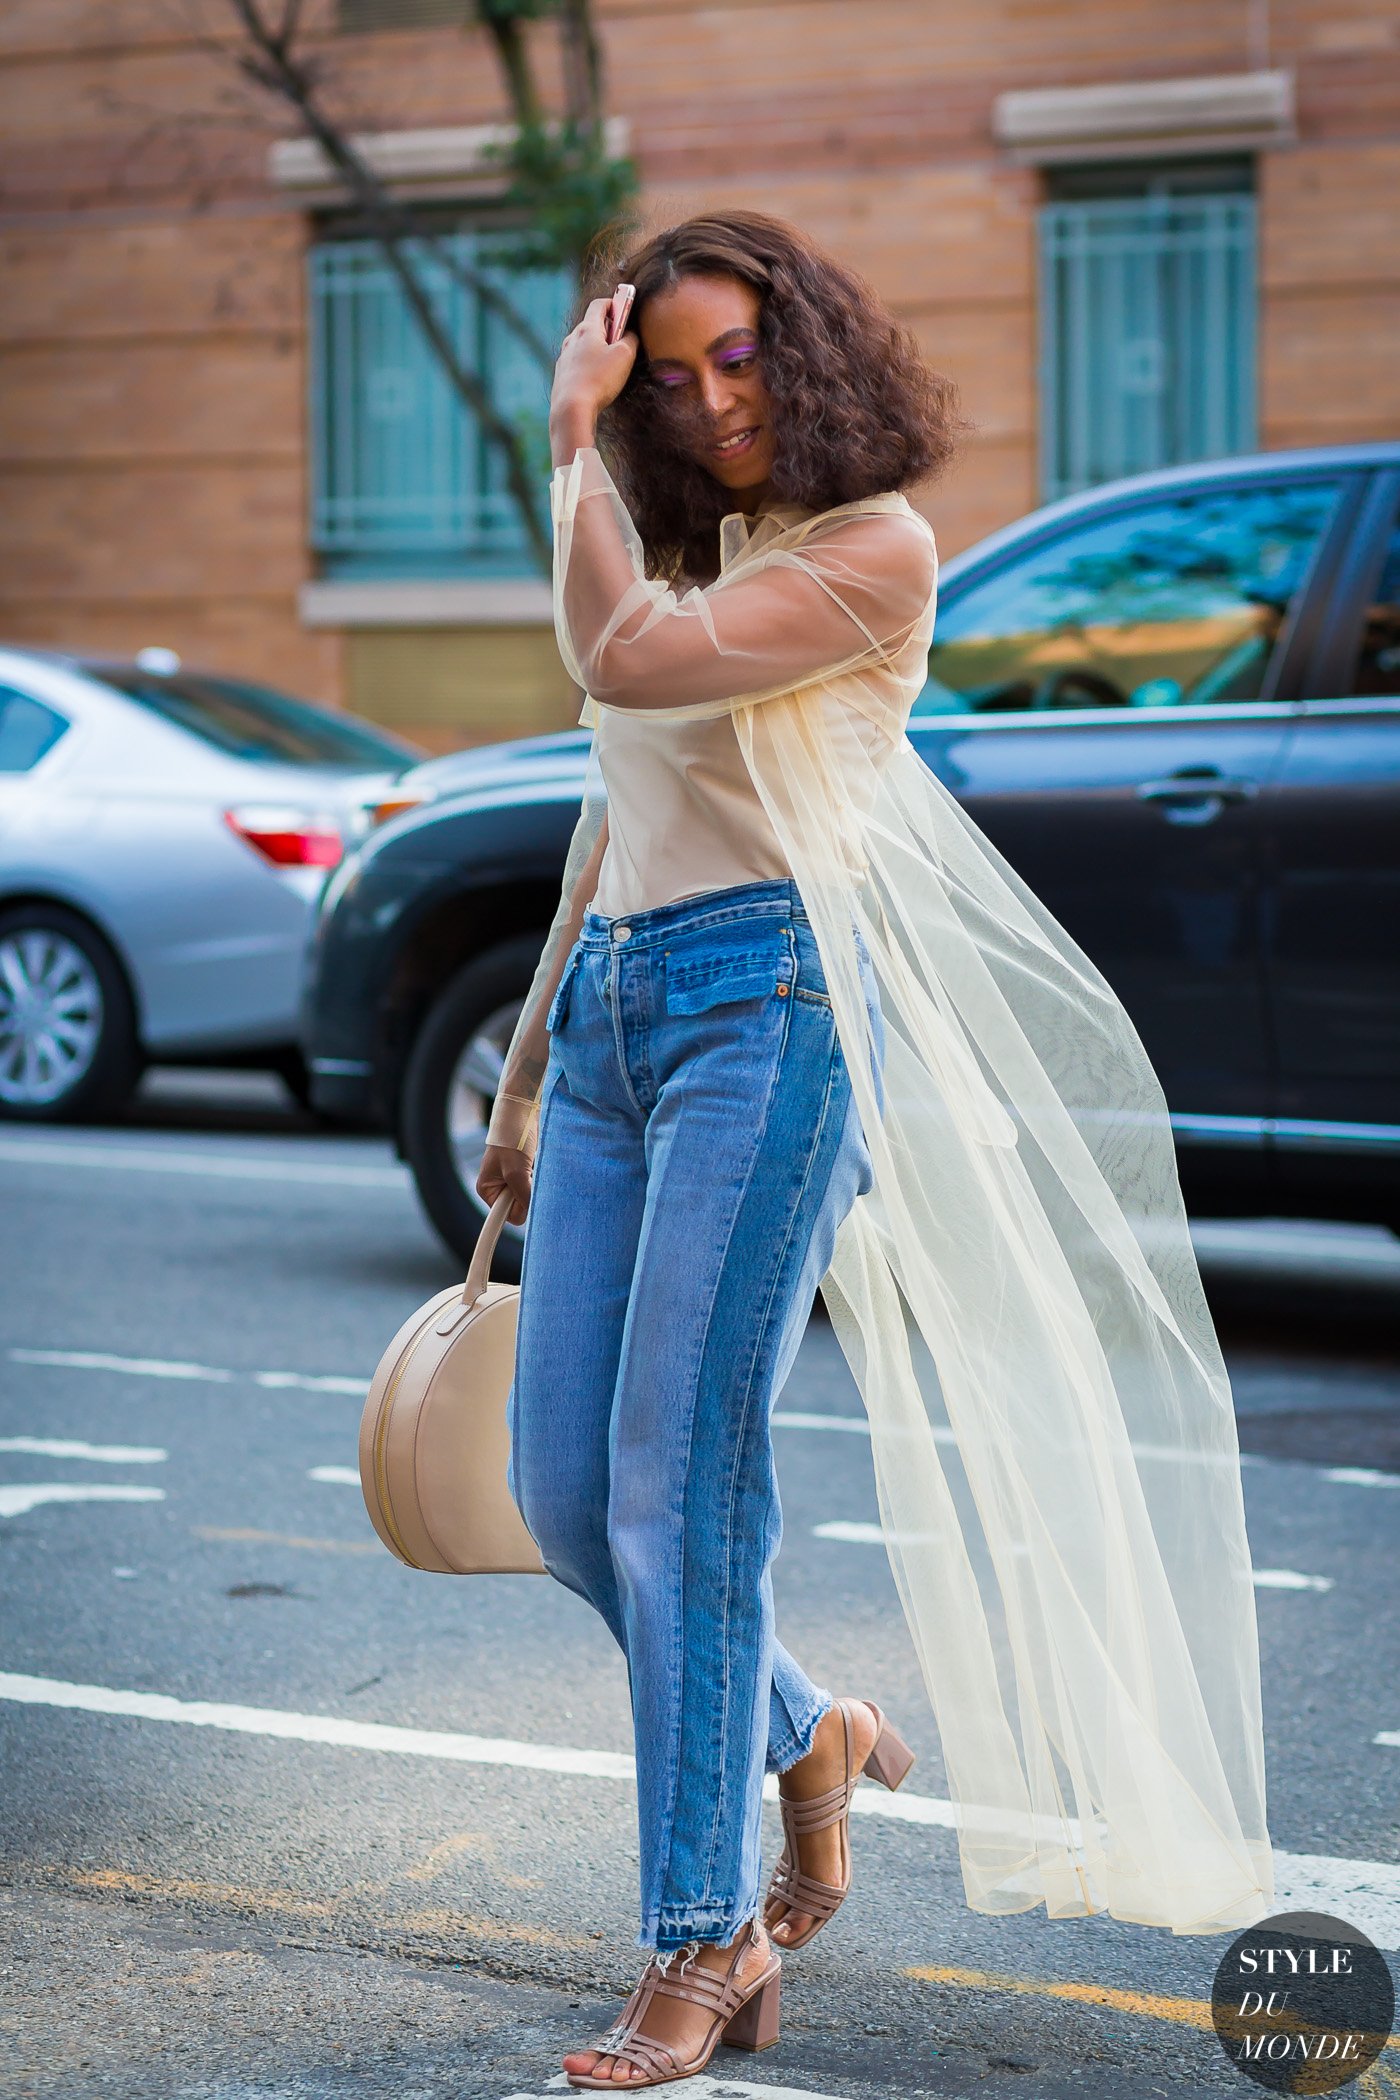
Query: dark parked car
x,y
1173,703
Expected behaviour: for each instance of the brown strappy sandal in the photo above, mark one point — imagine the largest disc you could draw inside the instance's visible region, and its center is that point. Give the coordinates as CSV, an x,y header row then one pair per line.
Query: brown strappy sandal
x,y
889,1761
743,2016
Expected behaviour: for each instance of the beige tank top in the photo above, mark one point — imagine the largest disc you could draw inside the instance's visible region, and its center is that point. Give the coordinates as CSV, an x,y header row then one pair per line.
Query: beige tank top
x,y
683,813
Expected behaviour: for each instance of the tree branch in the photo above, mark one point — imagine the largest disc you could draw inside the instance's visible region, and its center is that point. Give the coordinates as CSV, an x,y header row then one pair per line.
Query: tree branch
x,y
503,26
277,68
583,65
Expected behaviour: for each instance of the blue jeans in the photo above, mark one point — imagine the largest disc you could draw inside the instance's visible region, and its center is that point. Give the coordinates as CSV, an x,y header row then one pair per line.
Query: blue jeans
x,y
699,1145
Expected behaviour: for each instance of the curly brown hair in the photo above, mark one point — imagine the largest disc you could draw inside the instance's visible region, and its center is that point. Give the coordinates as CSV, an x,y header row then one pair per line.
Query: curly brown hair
x,y
858,410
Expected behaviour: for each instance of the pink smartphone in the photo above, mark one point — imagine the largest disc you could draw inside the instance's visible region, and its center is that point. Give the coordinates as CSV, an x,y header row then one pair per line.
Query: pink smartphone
x,y
618,310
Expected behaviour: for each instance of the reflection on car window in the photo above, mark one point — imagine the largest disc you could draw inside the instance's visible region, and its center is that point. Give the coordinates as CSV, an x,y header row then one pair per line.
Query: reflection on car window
x,y
1174,603
27,731
252,721
1378,672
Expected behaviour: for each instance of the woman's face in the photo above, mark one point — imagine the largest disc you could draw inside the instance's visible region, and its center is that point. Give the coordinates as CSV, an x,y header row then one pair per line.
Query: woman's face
x,y
702,347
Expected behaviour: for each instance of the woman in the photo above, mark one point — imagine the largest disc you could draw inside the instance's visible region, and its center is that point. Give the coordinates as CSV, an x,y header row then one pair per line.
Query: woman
x,y
797,1023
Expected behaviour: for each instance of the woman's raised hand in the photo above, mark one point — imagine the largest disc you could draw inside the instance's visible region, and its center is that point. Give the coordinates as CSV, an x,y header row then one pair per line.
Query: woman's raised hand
x,y
590,371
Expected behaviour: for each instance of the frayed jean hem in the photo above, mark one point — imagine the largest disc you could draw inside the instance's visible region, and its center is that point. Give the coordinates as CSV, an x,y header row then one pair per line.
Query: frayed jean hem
x,y
672,1932
790,1749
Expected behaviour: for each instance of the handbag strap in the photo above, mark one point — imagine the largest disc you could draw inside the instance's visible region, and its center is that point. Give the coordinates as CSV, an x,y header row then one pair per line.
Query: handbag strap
x,y
479,1273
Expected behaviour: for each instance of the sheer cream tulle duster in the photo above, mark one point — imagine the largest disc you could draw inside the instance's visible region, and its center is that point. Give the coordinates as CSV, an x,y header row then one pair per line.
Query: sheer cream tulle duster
x,y
1017,1295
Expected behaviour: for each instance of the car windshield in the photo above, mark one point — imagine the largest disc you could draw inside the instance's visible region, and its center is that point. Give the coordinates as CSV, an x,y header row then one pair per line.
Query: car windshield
x,y
254,722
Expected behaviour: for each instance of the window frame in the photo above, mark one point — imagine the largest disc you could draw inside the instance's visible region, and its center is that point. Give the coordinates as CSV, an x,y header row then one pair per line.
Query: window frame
x,y
1284,683
416,559
1145,184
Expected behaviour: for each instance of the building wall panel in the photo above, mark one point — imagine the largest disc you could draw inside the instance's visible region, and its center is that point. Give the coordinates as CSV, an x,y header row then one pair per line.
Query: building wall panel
x,y
153,280
152,413
143,403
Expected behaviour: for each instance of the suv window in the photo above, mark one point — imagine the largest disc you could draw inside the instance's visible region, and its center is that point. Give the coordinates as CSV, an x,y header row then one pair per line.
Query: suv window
x,y
1171,603
28,729
1378,669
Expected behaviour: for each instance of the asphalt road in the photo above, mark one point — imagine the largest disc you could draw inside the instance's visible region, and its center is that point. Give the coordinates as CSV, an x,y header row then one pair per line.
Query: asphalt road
x,y
216,1881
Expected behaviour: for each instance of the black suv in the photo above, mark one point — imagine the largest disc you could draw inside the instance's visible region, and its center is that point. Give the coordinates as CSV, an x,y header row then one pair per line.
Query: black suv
x,y
1173,703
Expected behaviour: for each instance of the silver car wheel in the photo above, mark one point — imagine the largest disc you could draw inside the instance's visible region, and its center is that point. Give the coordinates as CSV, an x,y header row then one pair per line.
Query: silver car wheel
x,y
476,1077
51,1014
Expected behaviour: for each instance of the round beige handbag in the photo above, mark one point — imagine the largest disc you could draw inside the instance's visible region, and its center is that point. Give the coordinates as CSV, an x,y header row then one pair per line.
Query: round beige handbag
x,y
433,1436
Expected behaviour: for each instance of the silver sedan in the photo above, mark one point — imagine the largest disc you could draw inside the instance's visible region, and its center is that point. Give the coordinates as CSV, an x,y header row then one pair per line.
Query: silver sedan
x,y
164,837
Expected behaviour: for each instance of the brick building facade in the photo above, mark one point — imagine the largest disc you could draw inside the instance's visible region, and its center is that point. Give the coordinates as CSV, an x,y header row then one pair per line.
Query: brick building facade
x,y
999,168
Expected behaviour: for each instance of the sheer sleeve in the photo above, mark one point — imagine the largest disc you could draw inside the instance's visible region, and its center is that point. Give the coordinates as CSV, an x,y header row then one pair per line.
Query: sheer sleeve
x,y
515,1112
846,591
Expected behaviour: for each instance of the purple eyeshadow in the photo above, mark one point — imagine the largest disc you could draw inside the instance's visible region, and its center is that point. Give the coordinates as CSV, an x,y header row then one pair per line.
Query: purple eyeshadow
x,y
724,360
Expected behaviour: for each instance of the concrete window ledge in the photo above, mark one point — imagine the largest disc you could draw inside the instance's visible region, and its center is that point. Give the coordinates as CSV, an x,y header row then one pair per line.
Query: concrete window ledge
x,y
1132,119
444,161
522,601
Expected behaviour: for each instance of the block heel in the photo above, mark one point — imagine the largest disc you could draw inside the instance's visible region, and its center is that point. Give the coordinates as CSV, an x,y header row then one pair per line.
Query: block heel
x,y
891,1759
755,2025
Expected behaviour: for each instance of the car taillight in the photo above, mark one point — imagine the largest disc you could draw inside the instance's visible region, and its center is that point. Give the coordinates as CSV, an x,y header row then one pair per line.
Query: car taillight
x,y
289,838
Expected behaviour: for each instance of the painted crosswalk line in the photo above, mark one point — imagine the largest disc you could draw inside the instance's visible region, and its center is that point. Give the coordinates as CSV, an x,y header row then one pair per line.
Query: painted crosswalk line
x,y
782,1418
851,1534
71,1447
18,1500
216,1166
1367,1892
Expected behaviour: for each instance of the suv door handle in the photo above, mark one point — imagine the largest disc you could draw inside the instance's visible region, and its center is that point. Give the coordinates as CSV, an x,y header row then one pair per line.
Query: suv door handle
x,y
1197,794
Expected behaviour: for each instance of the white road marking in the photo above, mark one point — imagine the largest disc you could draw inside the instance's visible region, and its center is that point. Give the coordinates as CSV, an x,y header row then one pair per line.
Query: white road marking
x,y
943,1434
131,1366
853,1425
18,1501
356,1388
304,1382
336,1476
209,1374
849,1534
217,1166
317,1728
1366,1892
109,1454
1363,1890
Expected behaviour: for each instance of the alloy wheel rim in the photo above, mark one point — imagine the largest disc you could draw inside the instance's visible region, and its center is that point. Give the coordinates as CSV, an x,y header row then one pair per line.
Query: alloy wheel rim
x,y
476,1076
50,1017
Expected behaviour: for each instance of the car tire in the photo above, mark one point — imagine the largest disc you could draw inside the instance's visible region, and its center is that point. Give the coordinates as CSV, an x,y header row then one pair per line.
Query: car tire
x,y
465,1032
87,1067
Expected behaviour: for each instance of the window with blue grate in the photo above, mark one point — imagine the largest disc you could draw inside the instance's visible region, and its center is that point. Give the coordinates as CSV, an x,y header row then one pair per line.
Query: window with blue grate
x,y
403,481
1147,320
